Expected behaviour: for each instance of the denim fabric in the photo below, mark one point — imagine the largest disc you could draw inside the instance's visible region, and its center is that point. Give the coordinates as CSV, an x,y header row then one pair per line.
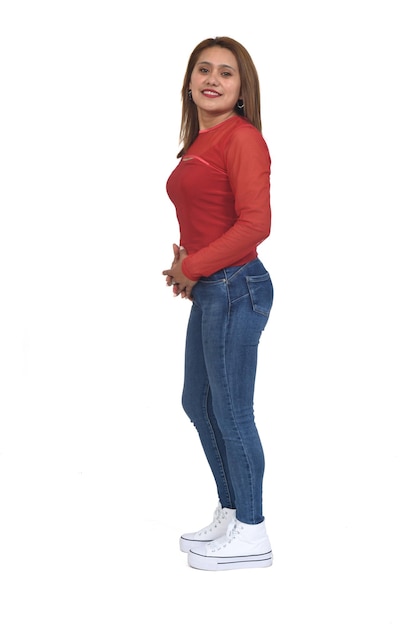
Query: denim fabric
x,y
229,312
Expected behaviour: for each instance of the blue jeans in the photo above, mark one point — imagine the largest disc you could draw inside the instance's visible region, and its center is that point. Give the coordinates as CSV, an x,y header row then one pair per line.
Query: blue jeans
x,y
229,312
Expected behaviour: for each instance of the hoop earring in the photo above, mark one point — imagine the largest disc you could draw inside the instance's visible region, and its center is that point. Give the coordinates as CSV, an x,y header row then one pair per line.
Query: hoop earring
x,y
190,96
240,104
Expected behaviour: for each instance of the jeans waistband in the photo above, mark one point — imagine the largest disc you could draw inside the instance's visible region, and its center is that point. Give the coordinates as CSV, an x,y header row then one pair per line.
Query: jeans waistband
x,y
252,268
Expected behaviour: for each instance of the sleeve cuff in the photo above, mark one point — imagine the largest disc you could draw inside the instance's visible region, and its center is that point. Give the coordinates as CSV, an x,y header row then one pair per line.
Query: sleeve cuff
x,y
187,270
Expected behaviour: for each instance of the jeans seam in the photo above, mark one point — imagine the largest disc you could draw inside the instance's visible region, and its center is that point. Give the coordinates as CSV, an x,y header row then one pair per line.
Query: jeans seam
x,y
214,443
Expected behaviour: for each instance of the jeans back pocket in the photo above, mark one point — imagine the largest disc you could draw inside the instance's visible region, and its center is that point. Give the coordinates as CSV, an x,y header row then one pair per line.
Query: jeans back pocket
x,y
261,293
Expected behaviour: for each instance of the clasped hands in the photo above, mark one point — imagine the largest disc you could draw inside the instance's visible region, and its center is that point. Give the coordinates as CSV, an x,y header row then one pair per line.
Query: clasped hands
x,y
181,285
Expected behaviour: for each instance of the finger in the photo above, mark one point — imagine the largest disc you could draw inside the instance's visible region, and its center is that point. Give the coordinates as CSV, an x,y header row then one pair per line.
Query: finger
x,y
176,250
170,281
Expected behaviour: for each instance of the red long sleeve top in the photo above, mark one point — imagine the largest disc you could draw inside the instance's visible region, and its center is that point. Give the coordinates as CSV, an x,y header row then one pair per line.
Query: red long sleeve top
x,y
221,193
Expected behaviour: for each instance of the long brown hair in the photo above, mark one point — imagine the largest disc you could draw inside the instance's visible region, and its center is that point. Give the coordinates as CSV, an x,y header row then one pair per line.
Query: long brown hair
x,y
249,90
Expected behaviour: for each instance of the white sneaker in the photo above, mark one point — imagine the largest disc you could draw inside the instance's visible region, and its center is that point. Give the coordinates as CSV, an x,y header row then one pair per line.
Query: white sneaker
x,y
217,528
244,545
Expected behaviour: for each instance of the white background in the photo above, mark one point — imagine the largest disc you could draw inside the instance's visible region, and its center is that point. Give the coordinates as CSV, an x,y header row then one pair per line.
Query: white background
x,y
100,470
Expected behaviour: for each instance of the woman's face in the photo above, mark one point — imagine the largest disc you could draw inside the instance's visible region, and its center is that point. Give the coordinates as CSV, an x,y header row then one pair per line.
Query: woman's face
x,y
215,85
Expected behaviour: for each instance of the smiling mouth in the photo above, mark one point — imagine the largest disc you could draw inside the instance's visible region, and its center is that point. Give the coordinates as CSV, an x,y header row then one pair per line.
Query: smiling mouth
x,y
210,93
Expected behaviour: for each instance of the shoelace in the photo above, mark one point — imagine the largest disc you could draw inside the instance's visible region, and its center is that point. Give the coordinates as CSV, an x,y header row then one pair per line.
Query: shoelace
x,y
218,516
231,533
232,530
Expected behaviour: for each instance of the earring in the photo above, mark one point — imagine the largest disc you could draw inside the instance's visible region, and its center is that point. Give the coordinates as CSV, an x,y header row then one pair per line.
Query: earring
x,y
190,97
240,104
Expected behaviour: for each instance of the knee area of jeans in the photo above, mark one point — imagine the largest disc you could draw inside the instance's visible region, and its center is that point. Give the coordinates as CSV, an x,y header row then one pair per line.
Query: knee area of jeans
x,y
190,408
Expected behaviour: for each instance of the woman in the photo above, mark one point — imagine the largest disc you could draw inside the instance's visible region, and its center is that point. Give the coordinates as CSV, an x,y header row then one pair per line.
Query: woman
x,y
221,192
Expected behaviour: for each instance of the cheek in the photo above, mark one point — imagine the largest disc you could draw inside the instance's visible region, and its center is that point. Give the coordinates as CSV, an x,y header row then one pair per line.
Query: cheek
x,y
194,76
237,89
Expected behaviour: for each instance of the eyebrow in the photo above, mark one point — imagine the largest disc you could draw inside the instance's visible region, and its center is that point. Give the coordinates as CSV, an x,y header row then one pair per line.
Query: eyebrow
x,y
221,64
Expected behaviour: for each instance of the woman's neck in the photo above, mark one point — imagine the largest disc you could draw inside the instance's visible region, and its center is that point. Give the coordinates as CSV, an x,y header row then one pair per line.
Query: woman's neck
x,y
206,121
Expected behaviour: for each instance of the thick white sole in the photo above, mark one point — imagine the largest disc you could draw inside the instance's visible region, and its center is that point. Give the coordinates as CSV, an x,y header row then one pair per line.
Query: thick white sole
x,y
218,563
188,544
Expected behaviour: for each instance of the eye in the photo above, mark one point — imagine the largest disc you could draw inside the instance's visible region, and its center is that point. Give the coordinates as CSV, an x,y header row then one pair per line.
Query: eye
x,y
225,73
203,70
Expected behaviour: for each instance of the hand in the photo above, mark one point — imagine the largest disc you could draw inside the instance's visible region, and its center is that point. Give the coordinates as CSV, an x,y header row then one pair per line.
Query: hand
x,y
174,276
170,281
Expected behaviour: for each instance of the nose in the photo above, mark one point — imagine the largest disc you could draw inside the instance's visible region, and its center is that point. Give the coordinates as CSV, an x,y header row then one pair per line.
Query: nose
x,y
212,79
